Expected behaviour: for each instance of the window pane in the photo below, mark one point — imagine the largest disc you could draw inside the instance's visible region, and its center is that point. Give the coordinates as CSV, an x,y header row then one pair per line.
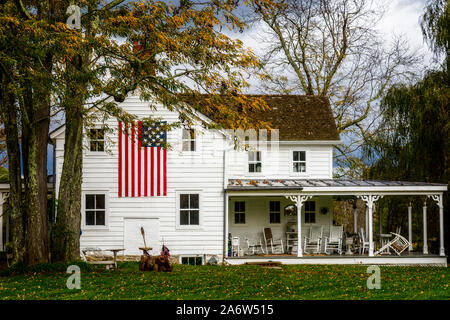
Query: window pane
x,y
274,217
93,146
251,156
90,201
258,167
100,218
275,206
193,145
186,146
194,201
184,217
302,156
184,201
239,206
184,260
302,167
90,218
100,146
258,155
194,217
251,167
99,201
198,261
296,156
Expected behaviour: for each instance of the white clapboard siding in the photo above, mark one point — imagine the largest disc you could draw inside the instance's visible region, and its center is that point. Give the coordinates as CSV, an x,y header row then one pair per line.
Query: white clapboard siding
x,y
199,172
277,163
202,172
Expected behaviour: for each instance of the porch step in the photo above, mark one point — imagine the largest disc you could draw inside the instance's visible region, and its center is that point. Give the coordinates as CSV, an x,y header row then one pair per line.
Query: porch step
x,y
266,263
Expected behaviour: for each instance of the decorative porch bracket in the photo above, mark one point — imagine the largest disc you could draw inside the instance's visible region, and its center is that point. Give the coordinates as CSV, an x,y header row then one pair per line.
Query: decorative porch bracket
x,y
440,202
299,200
370,200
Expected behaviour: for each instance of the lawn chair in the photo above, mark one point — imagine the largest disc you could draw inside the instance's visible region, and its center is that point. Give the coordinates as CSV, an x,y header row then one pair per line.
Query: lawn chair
x,y
254,246
363,242
314,239
276,246
398,244
334,240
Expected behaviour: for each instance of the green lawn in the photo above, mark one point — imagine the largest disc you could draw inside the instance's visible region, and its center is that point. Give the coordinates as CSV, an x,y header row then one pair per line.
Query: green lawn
x,y
233,282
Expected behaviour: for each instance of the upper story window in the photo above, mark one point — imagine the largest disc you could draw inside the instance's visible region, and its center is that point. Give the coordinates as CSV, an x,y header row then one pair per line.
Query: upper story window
x,y
310,212
254,161
95,210
188,140
97,140
274,211
189,209
239,212
299,161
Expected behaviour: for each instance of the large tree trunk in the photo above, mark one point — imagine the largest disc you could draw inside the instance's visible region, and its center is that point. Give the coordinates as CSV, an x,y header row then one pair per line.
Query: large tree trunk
x,y
66,233
9,119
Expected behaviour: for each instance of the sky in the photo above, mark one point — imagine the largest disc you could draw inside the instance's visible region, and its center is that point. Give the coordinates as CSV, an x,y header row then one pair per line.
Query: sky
x,y
401,18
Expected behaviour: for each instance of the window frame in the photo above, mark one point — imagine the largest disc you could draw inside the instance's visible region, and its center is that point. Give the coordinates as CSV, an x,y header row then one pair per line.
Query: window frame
x,y
240,213
89,140
279,212
309,212
195,140
248,162
191,257
83,206
178,209
307,162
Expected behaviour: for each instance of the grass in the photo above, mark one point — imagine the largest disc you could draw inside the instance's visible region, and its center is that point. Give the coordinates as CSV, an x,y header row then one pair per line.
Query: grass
x,y
231,282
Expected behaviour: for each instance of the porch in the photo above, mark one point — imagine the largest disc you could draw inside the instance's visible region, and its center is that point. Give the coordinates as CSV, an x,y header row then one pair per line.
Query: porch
x,y
252,206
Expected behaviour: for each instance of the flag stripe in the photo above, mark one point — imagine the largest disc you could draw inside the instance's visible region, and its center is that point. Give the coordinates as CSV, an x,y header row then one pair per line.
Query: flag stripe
x,y
126,160
139,159
120,159
158,172
165,172
152,173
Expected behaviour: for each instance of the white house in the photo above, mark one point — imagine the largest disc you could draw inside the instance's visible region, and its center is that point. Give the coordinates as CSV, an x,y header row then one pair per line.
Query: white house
x,y
198,193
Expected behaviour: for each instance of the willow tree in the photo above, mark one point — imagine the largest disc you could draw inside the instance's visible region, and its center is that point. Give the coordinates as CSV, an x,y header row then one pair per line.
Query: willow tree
x,y
158,50
412,142
332,48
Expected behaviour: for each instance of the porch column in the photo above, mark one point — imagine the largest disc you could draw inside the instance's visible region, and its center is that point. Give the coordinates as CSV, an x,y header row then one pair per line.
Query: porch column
x,y
425,240
355,217
370,200
367,220
299,200
380,218
410,227
440,202
226,225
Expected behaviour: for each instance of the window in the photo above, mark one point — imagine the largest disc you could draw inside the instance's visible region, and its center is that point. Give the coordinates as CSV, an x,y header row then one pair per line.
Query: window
x,y
274,211
97,140
310,212
239,212
254,161
95,210
189,209
188,140
299,161
193,261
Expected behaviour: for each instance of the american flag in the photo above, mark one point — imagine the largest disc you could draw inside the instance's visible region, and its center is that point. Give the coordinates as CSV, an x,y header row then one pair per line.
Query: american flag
x,y
142,159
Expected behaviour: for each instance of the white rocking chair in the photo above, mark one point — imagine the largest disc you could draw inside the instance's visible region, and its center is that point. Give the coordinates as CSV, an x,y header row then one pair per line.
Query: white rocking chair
x,y
398,244
314,239
334,240
254,246
363,242
276,246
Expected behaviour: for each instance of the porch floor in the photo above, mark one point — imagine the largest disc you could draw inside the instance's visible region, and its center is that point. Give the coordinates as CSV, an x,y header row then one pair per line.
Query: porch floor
x,y
406,259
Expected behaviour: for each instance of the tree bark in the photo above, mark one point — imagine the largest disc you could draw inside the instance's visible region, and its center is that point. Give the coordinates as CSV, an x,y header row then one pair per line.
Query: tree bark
x,y
9,119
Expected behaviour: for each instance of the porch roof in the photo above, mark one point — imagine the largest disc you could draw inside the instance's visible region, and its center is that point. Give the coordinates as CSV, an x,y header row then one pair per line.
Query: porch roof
x,y
335,186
